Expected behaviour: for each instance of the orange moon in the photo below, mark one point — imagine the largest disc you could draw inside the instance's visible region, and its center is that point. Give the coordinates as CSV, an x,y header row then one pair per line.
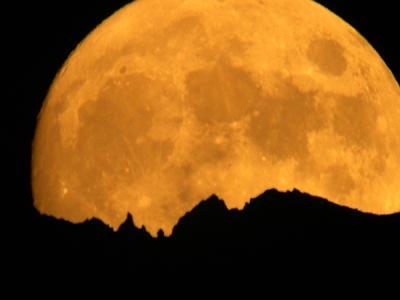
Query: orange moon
x,y
168,102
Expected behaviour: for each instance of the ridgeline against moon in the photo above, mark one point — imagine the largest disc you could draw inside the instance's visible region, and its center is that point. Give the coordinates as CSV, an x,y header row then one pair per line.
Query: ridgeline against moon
x,y
168,102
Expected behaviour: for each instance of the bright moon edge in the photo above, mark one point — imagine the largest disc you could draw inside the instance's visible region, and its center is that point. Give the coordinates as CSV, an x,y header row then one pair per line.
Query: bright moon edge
x,y
233,98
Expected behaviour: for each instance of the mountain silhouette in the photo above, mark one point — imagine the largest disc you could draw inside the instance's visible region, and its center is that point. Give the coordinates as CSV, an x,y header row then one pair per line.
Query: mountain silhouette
x,y
274,229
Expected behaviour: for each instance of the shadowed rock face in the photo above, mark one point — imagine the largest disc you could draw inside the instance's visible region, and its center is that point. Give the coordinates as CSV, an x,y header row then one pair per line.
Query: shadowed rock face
x,y
275,228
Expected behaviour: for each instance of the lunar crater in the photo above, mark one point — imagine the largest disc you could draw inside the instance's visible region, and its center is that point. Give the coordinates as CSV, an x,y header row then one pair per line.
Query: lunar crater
x,y
284,120
362,132
222,93
328,55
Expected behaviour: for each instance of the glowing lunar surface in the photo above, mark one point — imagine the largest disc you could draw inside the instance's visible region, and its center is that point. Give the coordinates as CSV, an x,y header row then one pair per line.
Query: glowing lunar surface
x,y
168,102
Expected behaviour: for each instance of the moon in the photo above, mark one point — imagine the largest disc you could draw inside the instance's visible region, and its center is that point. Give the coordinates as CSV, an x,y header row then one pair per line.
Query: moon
x,y
168,102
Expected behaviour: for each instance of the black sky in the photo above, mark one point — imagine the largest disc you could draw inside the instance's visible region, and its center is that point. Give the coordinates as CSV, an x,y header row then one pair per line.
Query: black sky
x,y
39,35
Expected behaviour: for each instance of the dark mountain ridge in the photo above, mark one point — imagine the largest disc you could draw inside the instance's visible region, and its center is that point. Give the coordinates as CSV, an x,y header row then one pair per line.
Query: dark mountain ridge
x,y
274,227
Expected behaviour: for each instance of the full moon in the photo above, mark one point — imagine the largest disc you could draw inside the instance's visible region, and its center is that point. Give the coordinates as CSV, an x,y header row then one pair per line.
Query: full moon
x,y
168,102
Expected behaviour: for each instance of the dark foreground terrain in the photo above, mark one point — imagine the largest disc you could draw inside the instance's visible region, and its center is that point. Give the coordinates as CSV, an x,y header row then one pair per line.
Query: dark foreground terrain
x,y
274,231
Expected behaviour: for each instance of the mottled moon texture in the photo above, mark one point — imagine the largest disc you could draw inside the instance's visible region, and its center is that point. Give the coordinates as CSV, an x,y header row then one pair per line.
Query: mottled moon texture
x,y
168,102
